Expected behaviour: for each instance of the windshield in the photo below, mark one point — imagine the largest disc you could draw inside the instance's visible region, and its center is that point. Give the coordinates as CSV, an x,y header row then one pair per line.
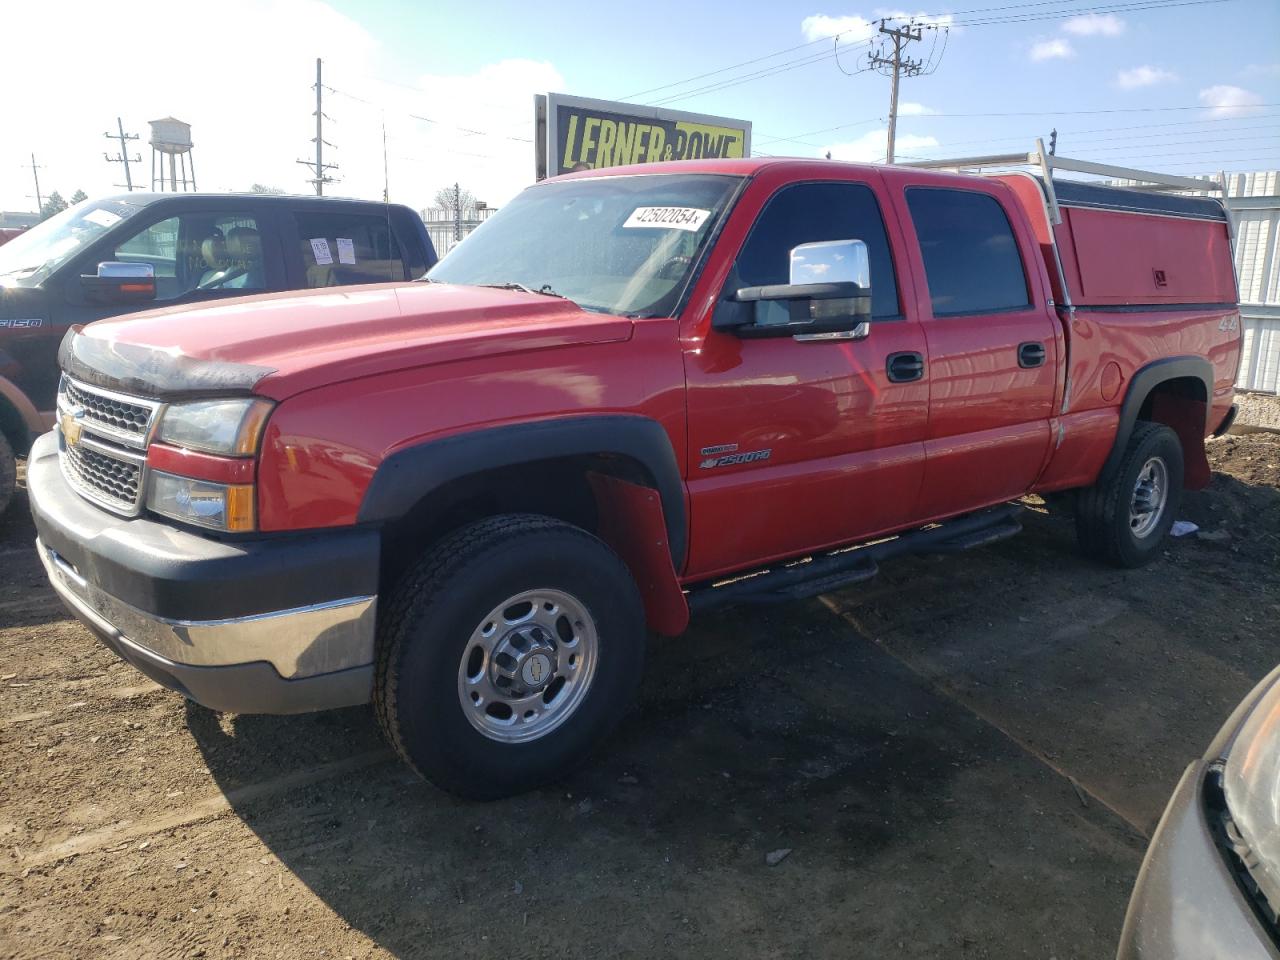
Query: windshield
x,y
622,245
30,257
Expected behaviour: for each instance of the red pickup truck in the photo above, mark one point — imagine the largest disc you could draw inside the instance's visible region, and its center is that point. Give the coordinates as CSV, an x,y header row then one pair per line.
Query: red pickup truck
x,y
630,395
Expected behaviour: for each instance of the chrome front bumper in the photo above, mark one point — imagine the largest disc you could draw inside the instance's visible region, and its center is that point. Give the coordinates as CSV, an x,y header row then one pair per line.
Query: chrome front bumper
x,y
298,643
288,661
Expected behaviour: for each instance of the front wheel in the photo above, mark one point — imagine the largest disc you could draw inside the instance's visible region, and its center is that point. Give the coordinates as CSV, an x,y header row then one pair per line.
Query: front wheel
x,y
508,654
1123,518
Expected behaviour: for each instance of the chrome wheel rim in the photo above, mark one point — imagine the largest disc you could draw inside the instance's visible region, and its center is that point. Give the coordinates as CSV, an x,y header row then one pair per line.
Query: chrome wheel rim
x,y
528,665
1150,494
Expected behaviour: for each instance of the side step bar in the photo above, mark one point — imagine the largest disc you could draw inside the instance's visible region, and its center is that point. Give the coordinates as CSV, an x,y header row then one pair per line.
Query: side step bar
x,y
831,571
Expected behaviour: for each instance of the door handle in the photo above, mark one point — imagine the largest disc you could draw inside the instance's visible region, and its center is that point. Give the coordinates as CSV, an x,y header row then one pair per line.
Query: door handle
x,y
1031,354
904,367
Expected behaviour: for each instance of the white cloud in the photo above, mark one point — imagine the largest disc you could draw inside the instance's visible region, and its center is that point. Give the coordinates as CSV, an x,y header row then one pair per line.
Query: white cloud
x,y
871,146
243,81
1055,49
1095,25
851,29
909,109
1225,100
1143,76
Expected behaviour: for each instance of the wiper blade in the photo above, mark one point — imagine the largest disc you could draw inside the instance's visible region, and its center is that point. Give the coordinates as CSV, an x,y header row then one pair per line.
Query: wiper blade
x,y
545,289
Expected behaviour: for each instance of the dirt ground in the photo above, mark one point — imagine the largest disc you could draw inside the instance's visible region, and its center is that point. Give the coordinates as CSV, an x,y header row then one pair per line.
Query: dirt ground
x,y
964,757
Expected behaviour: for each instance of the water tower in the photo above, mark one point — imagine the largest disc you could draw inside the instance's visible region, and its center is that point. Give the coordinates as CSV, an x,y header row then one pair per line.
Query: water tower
x,y
171,141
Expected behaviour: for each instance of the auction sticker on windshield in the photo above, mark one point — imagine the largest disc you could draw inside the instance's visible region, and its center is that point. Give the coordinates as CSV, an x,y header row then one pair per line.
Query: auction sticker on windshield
x,y
667,218
103,218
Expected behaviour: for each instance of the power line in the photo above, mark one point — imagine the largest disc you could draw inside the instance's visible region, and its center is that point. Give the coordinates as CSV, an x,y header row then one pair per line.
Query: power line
x,y
1028,137
470,131
836,36
757,75
1138,6
796,138
1135,6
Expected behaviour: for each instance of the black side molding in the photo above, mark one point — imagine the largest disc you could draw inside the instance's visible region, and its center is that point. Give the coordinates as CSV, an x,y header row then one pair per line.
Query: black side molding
x,y
405,477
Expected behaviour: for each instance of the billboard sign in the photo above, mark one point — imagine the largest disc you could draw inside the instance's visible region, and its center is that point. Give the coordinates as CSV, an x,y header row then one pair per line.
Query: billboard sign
x,y
575,133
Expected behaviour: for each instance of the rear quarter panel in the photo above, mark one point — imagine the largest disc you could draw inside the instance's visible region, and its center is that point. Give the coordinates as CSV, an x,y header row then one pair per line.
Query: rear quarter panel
x,y
1141,288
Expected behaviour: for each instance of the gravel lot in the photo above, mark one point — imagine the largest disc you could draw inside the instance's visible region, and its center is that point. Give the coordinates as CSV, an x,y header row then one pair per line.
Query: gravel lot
x,y
964,758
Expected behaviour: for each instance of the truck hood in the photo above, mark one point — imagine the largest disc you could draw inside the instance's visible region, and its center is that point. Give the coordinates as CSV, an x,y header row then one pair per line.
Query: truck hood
x,y
281,344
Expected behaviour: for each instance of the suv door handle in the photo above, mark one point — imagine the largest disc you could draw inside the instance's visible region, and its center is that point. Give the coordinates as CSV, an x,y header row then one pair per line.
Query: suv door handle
x,y
904,367
1031,354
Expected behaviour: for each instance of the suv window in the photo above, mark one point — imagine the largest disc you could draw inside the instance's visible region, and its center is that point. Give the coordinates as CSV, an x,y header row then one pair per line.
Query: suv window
x,y
195,252
339,248
812,212
971,258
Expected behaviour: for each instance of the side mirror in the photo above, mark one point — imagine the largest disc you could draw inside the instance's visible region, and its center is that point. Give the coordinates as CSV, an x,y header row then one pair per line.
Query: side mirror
x,y
828,296
117,282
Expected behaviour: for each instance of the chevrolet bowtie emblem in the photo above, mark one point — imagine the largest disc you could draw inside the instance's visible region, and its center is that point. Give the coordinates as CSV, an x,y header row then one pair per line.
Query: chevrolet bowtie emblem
x,y
72,427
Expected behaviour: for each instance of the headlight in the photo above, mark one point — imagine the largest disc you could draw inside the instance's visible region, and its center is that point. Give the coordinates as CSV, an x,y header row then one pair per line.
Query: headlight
x,y
219,506
228,427
1251,783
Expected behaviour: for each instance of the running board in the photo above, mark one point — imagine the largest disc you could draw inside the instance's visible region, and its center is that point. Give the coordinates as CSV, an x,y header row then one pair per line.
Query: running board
x,y
822,574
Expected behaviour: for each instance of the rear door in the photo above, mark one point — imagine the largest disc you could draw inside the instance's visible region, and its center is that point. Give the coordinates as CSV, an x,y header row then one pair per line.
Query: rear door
x,y
991,343
340,244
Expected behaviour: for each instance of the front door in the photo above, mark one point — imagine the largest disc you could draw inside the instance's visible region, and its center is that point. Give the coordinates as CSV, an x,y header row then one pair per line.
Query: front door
x,y
795,446
198,256
992,344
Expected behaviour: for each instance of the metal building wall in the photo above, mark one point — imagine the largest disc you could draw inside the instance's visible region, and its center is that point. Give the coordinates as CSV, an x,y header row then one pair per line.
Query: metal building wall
x,y
1254,199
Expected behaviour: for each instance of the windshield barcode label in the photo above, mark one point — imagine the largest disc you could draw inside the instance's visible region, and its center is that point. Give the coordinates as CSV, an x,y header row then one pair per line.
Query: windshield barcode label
x,y
667,218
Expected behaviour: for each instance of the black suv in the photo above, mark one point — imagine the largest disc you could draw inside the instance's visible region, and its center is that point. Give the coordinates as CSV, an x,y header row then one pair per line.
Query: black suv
x,y
142,250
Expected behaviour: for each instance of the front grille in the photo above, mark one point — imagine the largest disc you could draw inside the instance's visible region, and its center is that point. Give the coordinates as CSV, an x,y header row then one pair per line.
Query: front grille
x,y
103,438
126,418
110,477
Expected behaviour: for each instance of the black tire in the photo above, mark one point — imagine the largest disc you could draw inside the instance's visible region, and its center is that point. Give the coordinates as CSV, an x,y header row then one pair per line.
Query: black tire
x,y
8,473
1103,524
428,625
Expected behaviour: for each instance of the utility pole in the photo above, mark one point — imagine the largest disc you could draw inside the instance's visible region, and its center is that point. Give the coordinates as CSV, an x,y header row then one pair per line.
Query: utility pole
x,y
457,212
901,36
35,173
124,158
320,178
386,176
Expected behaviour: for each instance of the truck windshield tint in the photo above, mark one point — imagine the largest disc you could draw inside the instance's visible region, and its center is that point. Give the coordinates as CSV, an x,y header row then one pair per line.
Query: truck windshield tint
x,y
623,245
33,255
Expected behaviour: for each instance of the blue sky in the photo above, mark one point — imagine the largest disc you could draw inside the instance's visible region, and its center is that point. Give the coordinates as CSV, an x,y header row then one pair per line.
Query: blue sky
x,y
1053,68
452,83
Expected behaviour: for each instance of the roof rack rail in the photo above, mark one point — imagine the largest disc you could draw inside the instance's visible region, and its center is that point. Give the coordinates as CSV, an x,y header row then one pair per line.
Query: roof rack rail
x,y
1049,163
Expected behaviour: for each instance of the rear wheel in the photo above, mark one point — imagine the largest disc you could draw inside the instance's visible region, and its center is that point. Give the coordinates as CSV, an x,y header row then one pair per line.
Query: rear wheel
x,y
508,654
1123,519
8,472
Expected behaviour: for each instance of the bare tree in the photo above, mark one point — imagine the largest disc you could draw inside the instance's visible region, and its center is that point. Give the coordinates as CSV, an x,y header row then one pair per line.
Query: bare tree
x,y
445,200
